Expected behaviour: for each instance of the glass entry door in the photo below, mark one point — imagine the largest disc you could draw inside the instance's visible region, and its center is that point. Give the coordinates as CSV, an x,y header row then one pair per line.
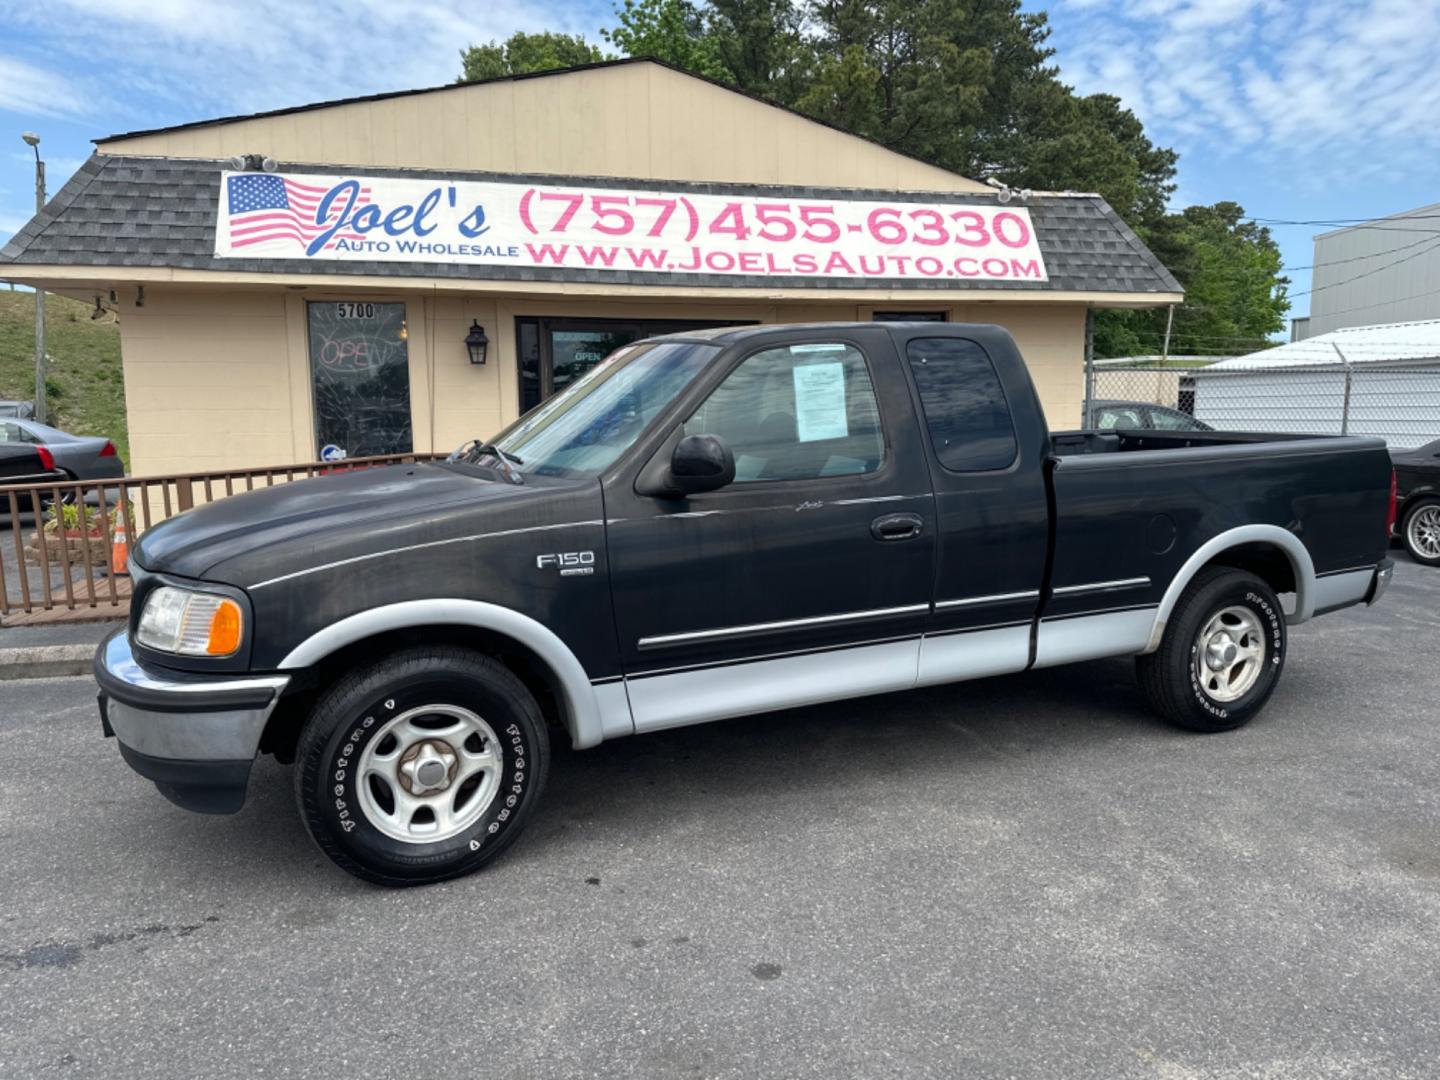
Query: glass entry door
x,y
360,378
556,352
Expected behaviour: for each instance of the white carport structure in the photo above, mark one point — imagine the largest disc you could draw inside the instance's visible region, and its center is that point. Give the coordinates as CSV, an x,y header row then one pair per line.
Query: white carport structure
x,y
1366,380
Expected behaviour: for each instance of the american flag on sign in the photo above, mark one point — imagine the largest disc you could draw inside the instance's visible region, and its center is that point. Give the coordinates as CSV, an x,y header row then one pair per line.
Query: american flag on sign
x,y
266,209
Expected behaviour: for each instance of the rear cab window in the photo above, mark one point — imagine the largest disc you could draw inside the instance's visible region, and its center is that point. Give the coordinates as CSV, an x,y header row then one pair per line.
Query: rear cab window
x,y
796,412
966,411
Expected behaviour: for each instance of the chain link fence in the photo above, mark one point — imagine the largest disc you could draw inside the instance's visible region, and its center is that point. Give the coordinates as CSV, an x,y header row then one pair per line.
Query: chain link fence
x,y
1398,402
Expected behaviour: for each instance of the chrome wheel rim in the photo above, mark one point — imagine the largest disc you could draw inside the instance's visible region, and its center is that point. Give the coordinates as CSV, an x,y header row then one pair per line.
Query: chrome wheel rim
x,y
1423,532
429,774
1229,653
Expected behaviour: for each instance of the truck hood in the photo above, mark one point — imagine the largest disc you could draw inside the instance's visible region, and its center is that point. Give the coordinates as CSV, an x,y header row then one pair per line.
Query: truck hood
x,y
299,526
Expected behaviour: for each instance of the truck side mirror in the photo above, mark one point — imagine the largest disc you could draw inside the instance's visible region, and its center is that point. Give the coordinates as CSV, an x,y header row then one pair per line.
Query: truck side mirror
x,y
686,465
701,463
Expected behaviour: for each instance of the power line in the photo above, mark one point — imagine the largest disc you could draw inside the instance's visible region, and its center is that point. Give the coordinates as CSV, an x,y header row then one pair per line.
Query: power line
x,y
1341,222
1392,300
1314,266
1374,226
1367,273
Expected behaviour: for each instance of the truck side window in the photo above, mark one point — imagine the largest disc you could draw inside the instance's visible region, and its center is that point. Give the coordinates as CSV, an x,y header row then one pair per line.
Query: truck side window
x,y
797,412
964,403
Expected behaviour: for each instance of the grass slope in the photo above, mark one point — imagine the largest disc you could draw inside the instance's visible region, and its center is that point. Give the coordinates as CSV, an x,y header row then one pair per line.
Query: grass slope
x,y
86,385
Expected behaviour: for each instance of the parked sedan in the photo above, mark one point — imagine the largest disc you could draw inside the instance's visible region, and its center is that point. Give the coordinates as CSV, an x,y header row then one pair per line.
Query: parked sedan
x,y
1141,415
81,457
1417,498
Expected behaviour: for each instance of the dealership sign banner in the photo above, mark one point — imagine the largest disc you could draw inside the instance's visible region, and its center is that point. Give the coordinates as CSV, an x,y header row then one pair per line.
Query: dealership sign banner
x,y
554,226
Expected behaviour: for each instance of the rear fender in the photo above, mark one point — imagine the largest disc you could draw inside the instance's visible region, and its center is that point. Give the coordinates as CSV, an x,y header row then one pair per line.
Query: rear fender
x,y
1288,544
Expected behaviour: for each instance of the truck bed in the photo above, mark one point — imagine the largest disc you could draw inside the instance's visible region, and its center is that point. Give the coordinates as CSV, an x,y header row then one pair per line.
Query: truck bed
x,y
1124,526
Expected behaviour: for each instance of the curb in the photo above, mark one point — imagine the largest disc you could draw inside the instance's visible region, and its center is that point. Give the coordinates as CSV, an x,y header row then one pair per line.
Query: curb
x,y
46,661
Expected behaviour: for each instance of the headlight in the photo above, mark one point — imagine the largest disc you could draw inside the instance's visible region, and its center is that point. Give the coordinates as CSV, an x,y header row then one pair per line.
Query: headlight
x,y
190,623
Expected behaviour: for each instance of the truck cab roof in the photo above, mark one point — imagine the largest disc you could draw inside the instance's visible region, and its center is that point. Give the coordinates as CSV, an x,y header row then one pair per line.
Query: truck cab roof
x,y
728,335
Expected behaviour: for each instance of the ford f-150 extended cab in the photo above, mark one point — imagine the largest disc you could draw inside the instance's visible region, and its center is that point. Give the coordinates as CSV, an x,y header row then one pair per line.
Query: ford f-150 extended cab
x,y
709,525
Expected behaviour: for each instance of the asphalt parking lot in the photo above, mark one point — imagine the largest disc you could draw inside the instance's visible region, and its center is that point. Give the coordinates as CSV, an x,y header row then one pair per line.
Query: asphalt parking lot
x,y
1025,877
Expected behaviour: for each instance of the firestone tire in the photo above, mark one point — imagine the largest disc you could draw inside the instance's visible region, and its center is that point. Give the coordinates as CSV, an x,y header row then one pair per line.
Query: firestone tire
x,y
430,715
1222,654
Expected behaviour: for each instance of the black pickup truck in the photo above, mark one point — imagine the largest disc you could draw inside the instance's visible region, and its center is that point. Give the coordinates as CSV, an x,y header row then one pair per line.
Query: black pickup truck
x,y
704,526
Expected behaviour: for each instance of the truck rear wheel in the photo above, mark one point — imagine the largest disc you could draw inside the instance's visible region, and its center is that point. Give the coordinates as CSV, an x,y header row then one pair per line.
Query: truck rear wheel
x,y
421,767
1222,653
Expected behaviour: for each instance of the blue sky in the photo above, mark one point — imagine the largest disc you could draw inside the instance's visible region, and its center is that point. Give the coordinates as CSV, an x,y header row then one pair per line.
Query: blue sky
x,y
1297,109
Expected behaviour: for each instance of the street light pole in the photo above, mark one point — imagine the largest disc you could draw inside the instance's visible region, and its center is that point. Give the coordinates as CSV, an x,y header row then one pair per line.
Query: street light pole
x,y
33,141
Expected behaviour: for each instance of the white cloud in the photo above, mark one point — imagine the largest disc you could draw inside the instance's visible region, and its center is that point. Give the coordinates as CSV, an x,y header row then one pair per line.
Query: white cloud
x,y
1342,84
34,91
194,58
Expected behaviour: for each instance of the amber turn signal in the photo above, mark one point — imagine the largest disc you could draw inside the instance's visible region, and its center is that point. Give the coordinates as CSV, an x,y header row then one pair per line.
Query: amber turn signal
x,y
225,629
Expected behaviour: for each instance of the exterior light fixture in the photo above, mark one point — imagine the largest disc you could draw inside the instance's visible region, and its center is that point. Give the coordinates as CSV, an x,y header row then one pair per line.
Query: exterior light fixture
x,y
1006,194
476,342
253,163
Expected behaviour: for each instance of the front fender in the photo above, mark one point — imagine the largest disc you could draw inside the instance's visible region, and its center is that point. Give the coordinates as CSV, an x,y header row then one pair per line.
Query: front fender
x,y
593,712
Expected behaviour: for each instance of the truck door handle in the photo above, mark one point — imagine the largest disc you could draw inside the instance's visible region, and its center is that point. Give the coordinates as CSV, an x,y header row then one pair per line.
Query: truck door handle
x,y
897,527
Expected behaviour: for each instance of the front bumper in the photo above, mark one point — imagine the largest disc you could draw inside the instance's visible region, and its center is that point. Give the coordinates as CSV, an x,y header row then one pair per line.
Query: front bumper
x,y
194,736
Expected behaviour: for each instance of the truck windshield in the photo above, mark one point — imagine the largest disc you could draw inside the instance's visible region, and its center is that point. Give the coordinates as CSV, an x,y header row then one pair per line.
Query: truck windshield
x,y
580,431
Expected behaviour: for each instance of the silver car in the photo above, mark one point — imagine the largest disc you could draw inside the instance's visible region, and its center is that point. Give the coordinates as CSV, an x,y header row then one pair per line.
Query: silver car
x,y
84,457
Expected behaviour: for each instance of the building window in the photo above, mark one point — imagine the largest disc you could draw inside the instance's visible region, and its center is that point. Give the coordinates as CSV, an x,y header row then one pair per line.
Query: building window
x,y
910,316
360,375
553,353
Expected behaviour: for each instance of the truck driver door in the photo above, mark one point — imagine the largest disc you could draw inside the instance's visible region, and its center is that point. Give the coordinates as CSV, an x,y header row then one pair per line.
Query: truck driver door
x,y
809,576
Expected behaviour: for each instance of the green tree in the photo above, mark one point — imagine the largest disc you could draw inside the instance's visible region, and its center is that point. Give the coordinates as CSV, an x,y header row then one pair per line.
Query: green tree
x,y
522,53
761,45
969,85
1235,292
671,30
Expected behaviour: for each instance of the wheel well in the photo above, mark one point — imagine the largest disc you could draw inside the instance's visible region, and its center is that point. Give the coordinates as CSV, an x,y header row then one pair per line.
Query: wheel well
x,y
282,730
1266,561
1409,504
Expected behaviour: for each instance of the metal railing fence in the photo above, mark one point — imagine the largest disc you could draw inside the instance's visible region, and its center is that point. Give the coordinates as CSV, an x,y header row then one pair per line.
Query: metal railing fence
x,y
61,551
1397,402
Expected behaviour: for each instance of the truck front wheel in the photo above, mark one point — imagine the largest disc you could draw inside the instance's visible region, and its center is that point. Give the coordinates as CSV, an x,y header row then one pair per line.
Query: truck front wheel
x,y
421,767
1222,653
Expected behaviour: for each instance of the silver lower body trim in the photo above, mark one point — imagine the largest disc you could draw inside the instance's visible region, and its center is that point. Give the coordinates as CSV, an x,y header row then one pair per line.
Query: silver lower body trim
x,y
973,654
1093,637
1342,589
694,697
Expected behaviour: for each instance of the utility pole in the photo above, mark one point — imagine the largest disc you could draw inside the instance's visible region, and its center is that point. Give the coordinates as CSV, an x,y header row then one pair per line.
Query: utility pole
x,y
33,141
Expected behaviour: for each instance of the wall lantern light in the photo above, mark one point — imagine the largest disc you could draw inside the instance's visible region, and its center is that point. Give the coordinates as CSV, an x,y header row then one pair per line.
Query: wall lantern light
x,y
476,342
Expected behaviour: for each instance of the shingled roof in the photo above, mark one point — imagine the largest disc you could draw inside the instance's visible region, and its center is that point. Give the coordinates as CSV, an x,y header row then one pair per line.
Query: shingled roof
x,y
119,211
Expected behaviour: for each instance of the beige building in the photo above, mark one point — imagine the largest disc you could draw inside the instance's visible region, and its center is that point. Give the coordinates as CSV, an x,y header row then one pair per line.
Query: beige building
x,y
319,295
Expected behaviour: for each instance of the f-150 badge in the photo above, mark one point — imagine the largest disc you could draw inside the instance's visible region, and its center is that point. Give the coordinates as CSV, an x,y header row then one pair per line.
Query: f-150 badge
x,y
569,563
